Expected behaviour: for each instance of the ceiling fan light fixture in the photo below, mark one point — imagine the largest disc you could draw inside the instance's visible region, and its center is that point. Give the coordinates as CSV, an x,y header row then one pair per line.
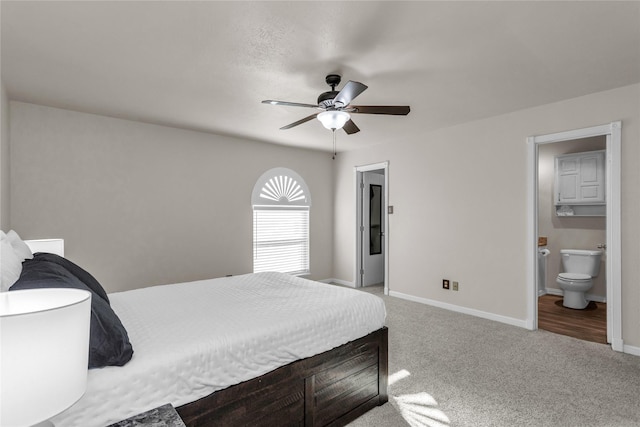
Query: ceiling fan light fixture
x,y
334,119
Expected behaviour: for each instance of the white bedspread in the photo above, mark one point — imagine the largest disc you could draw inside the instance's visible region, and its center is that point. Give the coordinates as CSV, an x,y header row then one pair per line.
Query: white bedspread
x,y
191,339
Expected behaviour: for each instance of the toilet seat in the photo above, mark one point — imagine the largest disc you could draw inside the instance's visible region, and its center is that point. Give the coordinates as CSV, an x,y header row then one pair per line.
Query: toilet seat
x,y
574,277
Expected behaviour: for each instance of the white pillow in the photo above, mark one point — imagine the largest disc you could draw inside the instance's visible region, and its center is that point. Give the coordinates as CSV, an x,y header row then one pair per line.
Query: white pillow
x,y
19,246
10,265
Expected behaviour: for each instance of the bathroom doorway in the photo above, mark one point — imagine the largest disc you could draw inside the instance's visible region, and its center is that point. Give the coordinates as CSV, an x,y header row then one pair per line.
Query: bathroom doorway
x,y
372,225
558,231
603,228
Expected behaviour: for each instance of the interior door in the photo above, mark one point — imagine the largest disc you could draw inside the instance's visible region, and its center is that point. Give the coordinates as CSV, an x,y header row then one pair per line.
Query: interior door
x,y
372,228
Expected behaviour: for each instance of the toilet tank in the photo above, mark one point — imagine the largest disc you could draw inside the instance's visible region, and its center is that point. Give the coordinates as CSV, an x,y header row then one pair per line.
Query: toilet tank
x,y
581,261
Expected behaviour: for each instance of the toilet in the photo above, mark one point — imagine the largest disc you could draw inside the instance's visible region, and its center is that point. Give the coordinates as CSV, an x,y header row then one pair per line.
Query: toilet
x,y
579,267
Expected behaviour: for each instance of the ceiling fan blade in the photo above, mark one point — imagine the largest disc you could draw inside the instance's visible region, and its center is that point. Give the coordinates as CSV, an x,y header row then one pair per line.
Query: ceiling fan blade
x,y
349,92
350,127
290,104
299,122
396,110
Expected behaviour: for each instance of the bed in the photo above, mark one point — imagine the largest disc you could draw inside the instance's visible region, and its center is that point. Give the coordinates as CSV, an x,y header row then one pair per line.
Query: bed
x,y
256,349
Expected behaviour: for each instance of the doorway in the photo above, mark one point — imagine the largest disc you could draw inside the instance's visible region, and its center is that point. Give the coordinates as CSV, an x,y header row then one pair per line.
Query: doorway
x,y
372,225
613,266
579,165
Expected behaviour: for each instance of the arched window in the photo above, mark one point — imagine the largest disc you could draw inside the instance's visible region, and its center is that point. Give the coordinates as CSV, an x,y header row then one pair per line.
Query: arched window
x,y
281,203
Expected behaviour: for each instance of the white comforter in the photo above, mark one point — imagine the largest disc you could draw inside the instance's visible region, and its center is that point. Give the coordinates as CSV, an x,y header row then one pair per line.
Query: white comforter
x,y
191,339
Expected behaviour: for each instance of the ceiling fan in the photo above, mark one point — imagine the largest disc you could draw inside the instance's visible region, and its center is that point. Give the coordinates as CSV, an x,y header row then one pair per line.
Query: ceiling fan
x,y
336,108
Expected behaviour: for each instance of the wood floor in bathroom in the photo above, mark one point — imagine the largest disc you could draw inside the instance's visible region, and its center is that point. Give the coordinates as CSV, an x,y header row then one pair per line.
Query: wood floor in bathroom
x,y
589,324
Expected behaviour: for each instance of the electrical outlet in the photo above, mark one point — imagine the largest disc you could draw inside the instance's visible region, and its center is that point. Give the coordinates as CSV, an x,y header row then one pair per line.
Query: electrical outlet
x,y
445,284
455,286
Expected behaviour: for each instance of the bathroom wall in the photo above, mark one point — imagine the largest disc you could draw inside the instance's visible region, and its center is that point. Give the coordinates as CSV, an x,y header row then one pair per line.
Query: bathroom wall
x,y
568,232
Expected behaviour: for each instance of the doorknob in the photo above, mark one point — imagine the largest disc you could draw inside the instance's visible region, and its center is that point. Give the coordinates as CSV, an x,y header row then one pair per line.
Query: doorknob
x,y
602,246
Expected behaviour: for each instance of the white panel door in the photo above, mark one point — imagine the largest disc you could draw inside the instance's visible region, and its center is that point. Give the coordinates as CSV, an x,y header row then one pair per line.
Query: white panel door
x,y
580,178
592,172
568,179
373,231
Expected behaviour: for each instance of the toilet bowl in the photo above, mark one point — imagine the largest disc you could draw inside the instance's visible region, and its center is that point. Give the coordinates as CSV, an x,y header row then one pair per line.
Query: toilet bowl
x,y
575,287
579,266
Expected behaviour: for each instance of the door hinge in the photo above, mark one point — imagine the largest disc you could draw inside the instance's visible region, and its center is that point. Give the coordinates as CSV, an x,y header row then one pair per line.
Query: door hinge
x,y
362,185
362,272
362,228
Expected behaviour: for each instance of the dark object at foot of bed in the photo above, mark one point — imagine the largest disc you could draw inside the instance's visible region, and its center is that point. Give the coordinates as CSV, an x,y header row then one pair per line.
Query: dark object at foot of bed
x,y
332,388
164,415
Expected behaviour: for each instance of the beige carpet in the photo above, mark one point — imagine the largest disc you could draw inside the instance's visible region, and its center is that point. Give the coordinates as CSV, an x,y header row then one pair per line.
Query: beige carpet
x,y
451,369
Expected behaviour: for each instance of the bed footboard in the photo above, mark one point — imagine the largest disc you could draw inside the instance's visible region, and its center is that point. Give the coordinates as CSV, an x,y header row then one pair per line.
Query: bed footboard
x,y
332,388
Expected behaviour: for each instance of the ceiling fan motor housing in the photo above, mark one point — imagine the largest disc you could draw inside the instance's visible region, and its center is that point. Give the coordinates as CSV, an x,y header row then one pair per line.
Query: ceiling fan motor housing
x,y
326,98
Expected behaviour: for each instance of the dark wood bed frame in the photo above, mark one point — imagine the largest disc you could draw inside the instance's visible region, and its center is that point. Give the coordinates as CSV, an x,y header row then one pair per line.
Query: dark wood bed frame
x,y
329,389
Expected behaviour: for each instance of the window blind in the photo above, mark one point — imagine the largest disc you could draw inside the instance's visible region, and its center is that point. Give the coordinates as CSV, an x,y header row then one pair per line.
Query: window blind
x,y
281,239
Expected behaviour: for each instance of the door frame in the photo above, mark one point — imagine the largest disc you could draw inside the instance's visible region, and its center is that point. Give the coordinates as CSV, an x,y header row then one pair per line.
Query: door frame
x,y
357,173
612,131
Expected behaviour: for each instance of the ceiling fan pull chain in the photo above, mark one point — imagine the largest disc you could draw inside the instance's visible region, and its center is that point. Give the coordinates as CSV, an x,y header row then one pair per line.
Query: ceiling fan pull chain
x,y
334,144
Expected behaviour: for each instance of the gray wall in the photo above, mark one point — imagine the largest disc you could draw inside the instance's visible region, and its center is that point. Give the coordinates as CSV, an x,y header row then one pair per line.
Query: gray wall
x,y
141,204
460,206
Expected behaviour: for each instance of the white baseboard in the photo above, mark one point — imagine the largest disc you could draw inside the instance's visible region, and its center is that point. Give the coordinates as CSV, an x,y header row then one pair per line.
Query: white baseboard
x,y
478,313
631,350
339,282
590,297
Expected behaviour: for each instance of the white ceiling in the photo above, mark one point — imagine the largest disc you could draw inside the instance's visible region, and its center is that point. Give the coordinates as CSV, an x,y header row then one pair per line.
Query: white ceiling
x,y
207,65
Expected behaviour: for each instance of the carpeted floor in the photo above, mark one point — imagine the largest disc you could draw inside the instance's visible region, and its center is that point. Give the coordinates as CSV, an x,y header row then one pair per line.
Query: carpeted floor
x,y
451,369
